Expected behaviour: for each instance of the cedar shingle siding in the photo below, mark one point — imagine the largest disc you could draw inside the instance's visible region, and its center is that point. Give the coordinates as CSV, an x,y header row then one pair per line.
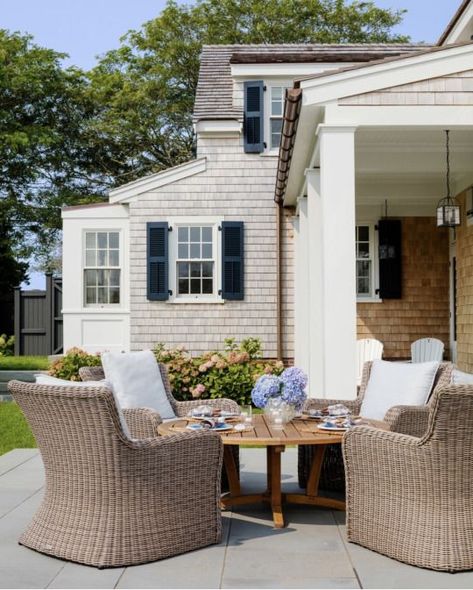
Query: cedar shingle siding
x,y
423,310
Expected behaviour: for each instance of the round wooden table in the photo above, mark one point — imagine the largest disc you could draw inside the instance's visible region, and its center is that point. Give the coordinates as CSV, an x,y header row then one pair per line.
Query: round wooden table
x,y
297,432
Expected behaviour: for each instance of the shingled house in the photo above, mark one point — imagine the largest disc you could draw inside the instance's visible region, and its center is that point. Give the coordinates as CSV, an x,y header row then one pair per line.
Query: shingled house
x,y
287,240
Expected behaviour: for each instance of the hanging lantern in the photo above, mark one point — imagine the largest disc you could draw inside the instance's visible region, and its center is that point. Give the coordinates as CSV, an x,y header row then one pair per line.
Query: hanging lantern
x,y
448,209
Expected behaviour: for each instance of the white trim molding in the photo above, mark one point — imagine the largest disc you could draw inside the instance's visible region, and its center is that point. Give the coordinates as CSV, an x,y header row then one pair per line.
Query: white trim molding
x,y
219,128
387,73
128,192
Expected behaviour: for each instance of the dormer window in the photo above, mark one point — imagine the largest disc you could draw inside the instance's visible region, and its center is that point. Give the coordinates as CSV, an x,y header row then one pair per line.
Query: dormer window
x,y
275,97
276,115
263,115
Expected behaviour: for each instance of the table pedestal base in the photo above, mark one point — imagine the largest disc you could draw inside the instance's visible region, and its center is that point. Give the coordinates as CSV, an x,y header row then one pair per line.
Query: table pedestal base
x,y
273,494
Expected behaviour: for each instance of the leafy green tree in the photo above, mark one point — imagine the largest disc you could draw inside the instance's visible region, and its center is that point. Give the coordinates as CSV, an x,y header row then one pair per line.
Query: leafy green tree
x,y
67,137
146,88
45,161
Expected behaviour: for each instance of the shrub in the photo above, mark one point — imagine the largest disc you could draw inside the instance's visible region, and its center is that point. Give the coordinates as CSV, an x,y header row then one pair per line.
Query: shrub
x,y
7,345
231,373
68,366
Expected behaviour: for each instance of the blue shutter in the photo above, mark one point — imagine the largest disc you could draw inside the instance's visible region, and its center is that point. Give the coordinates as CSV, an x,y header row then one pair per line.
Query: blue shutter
x,y
232,260
390,259
157,263
253,125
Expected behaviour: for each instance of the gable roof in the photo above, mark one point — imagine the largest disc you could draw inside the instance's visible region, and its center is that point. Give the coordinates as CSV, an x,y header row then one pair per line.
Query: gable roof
x,y
454,20
214,95
131,190
338,81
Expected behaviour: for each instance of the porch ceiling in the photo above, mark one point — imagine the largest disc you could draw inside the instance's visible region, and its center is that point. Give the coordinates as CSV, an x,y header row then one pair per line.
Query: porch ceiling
x,y
408,165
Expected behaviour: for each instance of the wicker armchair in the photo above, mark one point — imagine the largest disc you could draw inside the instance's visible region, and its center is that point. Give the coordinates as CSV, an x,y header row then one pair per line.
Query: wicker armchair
x,y
111,501
410,420
412,498
138,427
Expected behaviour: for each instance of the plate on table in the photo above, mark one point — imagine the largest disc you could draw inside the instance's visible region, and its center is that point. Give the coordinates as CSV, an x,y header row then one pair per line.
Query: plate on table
x,y
216,428
334,428
321,416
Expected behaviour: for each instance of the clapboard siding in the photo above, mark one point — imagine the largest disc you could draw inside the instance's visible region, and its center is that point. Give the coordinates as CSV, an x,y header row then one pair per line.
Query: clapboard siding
x,y
454,89
238,187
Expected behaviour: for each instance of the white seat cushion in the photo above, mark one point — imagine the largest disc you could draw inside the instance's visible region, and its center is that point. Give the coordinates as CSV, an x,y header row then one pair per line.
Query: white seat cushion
x,y
137,381
461,378
397,384
43,379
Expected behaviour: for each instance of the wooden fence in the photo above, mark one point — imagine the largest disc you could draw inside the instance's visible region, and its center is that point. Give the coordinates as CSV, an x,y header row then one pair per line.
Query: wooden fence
x,y
38,319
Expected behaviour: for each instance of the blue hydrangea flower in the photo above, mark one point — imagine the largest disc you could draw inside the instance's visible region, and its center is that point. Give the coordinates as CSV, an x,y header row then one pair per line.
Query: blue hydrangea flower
x,y
294,382
267,386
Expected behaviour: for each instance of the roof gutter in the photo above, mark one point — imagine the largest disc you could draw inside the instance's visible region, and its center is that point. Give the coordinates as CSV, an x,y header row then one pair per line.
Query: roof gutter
x,y
288,136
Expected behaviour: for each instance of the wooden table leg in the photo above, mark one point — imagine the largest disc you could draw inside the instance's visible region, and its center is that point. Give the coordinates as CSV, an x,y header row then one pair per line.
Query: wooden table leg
x,y
274,467
311,495
232,472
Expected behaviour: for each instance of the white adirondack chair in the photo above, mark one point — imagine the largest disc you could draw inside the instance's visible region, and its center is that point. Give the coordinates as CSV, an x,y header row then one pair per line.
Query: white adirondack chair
x,y
427,349
367,349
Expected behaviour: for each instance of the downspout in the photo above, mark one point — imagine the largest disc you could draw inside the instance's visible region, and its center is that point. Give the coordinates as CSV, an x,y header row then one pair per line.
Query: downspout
x,y
290,120
279,212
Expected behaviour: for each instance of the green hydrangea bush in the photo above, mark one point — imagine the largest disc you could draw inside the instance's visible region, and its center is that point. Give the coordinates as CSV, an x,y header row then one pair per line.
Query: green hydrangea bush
x,y
230,373
7,345
67,367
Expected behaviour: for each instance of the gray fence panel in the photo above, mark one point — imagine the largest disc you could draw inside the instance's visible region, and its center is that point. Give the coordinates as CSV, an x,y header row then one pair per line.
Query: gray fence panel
x,y
38,319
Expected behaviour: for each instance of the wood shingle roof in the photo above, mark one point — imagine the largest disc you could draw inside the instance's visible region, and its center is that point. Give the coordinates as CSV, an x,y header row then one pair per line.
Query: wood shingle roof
x,y
214,96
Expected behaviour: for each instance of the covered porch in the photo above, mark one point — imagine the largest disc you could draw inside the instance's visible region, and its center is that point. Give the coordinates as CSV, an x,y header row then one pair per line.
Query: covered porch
x,y
363,151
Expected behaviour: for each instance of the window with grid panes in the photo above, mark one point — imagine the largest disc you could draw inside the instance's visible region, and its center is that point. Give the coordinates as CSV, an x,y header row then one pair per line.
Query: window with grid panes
x,y
195,260
364,261
277,97
102,268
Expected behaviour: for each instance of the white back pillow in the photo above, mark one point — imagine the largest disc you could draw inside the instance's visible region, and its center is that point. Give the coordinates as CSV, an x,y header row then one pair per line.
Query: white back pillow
x,y
43,379
137,381
397,384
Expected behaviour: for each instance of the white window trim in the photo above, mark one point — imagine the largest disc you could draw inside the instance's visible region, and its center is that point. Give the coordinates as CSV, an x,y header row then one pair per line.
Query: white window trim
x,y
216,222
285,83
110,306
374,298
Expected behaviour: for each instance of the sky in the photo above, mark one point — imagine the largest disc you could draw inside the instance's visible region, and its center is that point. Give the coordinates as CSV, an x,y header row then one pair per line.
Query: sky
x,y
85,29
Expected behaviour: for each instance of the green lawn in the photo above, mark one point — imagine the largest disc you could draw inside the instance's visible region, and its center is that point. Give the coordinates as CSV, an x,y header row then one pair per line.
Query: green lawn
x,y
23,363
14,431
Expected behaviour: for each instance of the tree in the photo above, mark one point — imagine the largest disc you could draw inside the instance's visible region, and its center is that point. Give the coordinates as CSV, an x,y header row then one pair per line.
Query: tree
x,y
67,137
44,160
146,88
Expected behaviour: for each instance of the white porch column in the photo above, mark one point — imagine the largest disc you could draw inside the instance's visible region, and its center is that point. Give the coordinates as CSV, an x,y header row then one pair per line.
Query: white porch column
x,y
301,287
331,264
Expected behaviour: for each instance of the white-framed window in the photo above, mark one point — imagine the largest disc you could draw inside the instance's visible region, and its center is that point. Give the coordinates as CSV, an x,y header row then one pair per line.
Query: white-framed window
x,y
274,107
101,267
366,262
194,260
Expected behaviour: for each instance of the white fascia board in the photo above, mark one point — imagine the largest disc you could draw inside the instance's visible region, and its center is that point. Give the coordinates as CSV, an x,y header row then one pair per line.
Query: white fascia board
x,y
462,29
128,192
117,211
290,70
387,74
443,116
219,128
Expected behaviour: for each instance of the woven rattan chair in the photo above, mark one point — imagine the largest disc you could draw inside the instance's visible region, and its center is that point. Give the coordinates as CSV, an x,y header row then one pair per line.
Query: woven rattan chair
x,y
405,419
111,501
181,409
412,498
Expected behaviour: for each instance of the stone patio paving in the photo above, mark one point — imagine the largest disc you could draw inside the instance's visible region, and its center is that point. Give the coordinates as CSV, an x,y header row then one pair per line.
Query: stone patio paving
x,y
311,552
